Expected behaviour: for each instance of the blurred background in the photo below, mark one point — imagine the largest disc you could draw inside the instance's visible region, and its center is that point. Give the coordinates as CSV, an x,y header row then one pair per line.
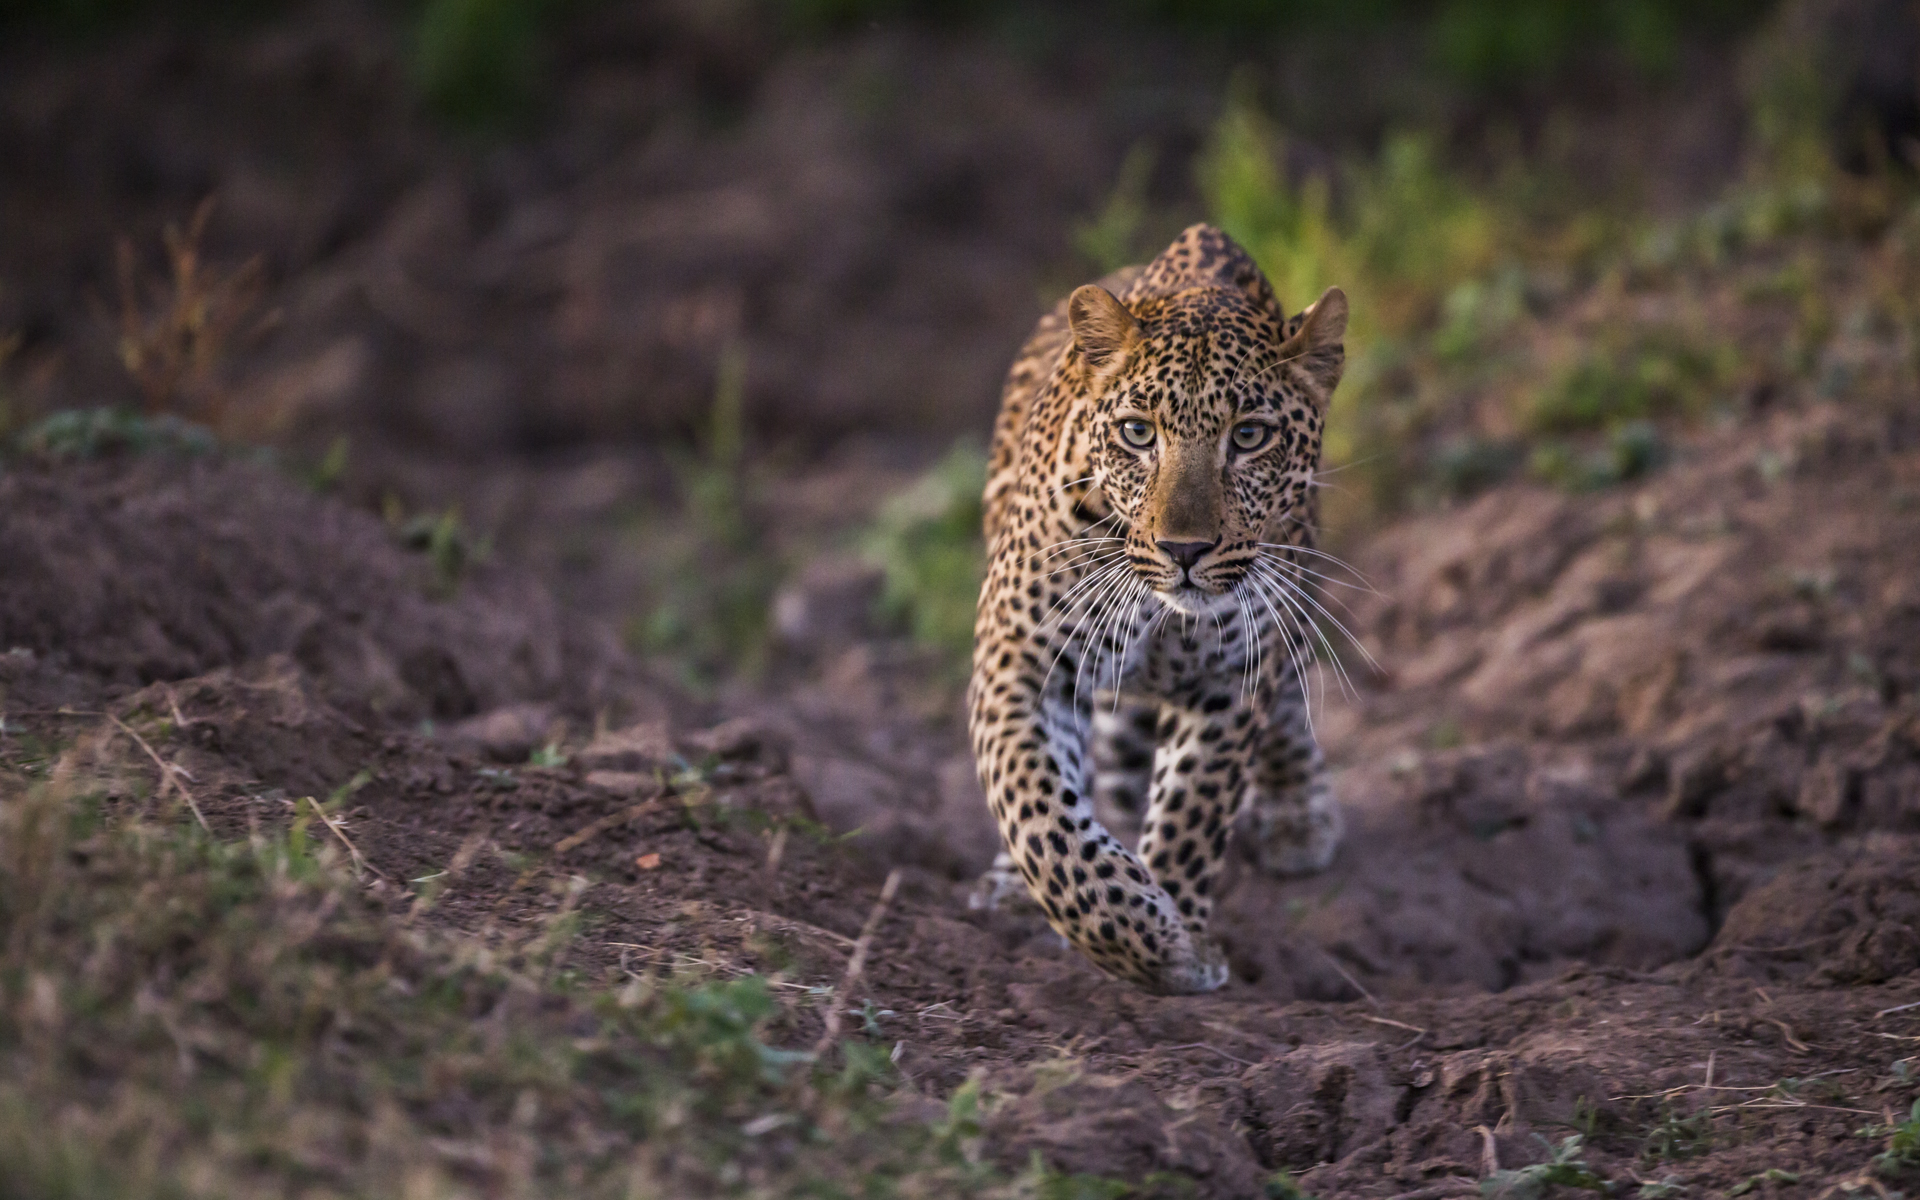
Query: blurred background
x,y
701,308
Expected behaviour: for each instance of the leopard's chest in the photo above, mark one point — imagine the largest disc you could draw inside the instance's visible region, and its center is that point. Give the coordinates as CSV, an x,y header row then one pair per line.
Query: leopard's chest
x,y
1188,653
1169,654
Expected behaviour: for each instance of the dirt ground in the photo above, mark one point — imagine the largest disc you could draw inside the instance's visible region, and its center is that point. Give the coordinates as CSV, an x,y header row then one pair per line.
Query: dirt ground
x,y
1635,815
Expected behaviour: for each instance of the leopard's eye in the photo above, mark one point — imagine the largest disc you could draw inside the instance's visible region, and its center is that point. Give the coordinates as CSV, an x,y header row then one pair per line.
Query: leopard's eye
x,y
1137,433
1251,435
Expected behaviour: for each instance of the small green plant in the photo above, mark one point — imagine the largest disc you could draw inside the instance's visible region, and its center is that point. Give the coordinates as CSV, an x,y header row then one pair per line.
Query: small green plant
x,y
325,475
1676,1136
1048,1184
450,547
870,1015
477,62
1770,1175
1111,240
1565,1167
92,432
926,541
955,1138
1629,452
1281,1186
717,564
1902,1151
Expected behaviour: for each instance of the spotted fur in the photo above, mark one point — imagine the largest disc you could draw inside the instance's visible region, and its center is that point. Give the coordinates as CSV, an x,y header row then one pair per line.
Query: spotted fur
x,y
1145,623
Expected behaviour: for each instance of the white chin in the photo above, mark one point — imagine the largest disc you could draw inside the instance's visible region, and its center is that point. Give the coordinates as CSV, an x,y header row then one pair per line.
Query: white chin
x,y
1188,600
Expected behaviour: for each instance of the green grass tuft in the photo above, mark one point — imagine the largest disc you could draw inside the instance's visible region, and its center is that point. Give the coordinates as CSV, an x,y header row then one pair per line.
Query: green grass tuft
x,y
92,432
1902,1151
1677,1136
927,542
1566,1166
477,62
706,614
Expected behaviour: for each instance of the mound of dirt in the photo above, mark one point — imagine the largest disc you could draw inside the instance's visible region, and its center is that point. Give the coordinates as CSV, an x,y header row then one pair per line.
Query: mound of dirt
x,y
1732,648
1848,916
132,571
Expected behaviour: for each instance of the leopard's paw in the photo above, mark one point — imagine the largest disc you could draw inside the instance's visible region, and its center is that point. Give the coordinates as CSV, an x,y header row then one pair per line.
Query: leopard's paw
x,y
1001,888
1197,966
1300,843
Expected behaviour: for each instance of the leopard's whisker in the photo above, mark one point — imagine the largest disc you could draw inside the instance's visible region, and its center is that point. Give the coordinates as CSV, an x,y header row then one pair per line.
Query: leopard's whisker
x,y
1099,645
1259,672
1131,626
1251,648
1218,631
1085,531
1084,581
1061,612
1335,559
1246,656
1273,366
1348,466
1310,598
1300,651
1125,621
1083,595
1294,571
1292,594
1291,570
1157,620
1295,648
1100,603
1341,628
1267,551
1091,560
1133,629
1115,517
1072,546
1077,540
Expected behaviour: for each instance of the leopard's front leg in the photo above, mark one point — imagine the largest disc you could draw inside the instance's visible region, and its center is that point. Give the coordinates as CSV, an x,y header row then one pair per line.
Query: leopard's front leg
x,y
1291,815
1031,751
1208,738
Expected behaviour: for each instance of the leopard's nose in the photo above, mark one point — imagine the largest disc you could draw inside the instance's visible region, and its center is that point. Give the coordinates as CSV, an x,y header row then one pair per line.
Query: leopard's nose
x,y
1185,554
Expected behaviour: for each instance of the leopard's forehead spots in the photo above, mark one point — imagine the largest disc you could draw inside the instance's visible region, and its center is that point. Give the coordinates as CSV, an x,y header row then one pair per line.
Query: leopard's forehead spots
x,y
1208,357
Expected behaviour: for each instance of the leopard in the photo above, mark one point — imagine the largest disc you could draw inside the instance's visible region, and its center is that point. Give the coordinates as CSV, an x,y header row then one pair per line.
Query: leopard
x,y
1149,616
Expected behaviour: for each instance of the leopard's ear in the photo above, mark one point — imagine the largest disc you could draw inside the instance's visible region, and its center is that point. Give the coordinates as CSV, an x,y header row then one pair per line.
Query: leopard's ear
x,y
1315,342
1103,329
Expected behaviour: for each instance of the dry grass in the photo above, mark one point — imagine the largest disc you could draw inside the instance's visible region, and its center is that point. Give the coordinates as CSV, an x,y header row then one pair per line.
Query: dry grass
x,y
175,334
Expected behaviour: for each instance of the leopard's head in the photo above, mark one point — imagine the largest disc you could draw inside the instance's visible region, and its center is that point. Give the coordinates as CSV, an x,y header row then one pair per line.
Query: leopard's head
x,y
1209,410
